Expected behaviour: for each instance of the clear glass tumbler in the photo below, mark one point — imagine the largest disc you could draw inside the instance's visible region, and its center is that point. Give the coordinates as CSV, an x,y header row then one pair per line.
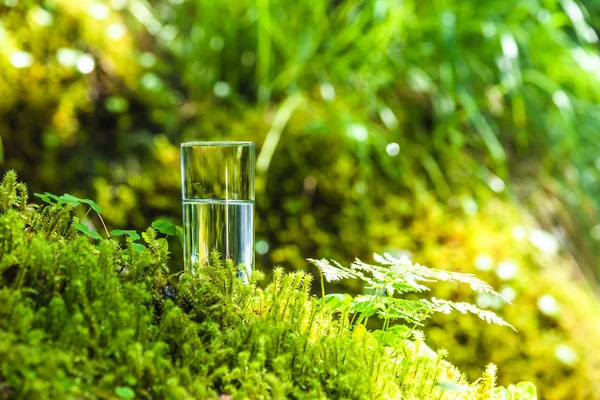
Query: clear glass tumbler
x,y
218,203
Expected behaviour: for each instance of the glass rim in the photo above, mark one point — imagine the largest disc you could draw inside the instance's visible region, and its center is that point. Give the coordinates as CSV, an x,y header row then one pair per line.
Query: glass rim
x,y
216,143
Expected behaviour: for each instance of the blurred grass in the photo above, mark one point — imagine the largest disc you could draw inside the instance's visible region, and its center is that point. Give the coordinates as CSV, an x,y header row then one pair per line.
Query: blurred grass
x,y
515,82
513,88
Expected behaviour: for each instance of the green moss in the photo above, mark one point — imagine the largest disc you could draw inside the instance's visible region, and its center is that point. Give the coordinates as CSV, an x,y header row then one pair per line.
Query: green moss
x,y
107,321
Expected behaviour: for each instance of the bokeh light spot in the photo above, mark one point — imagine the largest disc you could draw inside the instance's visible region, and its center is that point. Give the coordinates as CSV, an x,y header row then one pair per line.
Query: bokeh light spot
x,y
118,4
327,91
67,57
561,99
393,149
388,117
469,206
168,33
566,354
358,132
508,293
488,29
548,305
496,184
221,89
117,104
483,301
507,270
483,262
116,31
509,46
543,15
262,247
248,59
360,187
21,59
595,232
147,59
99,11
216,43
41,17
85,63
151,82
519,232
544,241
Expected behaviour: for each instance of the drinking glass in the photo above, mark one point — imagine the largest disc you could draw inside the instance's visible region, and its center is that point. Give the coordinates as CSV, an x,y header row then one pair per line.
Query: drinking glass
x,y
218,203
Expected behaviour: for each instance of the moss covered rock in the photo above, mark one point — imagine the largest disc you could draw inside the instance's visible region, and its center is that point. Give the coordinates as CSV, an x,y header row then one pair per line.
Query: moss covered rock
x,y
107,321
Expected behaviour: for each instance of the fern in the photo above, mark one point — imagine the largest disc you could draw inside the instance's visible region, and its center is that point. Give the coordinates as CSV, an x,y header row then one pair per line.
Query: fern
x,y
400,276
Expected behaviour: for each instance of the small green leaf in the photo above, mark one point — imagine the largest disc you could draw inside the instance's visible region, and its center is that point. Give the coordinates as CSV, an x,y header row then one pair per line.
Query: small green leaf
x,y
501,393
95,235
179,233
138,248
44,197
130,380
133,234
52,196
400,330
129,232
83,228
92,204
86,229
165,227
125,392
365,305
526,391
163,244
338,301
69,199
393,336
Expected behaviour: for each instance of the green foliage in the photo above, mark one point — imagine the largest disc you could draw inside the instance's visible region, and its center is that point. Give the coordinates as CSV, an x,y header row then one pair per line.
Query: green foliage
x,y
469,103
168,228
400,276
80,321
120,232
326,86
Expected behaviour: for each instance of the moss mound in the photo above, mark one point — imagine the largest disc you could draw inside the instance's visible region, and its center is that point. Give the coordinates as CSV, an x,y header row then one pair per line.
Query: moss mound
x,y
107,321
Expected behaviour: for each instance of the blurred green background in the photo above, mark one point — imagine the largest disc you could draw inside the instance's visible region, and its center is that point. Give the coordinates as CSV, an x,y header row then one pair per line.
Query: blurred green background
x,y
464,133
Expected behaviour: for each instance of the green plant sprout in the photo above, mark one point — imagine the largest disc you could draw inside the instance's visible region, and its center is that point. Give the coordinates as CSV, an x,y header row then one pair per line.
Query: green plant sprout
x,y
163,226
76,201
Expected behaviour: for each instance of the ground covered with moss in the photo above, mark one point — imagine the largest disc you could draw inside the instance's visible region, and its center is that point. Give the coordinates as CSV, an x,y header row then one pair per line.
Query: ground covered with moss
x,y
104,319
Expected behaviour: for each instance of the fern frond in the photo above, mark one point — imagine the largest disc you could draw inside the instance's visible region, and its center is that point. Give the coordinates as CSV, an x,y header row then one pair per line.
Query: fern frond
x,y
330,272
415,272
446,307
396,276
